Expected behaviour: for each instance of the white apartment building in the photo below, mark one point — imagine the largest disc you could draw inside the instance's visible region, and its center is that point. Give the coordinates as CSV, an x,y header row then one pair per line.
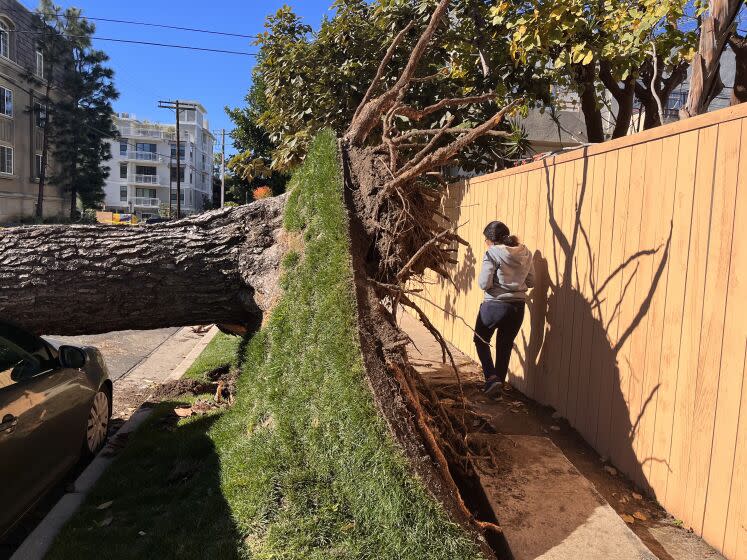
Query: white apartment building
x,y
142,178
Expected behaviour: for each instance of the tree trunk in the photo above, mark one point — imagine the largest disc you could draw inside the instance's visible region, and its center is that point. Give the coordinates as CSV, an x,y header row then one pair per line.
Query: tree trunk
x,y
217,267
705,82
45,152
739,46
664,89
589,105
624,95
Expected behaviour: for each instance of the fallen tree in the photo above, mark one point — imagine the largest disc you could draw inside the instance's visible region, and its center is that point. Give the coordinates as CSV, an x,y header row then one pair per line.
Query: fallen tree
x,y
217,267
221,267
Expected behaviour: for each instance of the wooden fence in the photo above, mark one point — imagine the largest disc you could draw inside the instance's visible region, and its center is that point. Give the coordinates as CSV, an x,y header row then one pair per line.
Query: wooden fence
x,y
637,329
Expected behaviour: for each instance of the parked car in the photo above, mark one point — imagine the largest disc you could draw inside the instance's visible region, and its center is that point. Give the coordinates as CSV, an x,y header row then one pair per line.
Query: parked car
x,y
55,406
156,220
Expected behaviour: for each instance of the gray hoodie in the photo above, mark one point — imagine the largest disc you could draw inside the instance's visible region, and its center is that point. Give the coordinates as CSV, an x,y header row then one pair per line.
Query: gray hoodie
x,y
507,273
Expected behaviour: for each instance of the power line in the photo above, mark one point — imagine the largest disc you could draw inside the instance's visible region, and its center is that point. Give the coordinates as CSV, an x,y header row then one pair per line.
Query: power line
x,y
149,24
148,43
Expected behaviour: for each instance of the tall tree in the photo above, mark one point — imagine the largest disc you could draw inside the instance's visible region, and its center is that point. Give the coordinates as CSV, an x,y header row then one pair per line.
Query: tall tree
x,y
80,115
716,27
593,49
56,52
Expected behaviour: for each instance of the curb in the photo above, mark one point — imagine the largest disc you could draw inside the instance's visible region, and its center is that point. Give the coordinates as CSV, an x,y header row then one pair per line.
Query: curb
x,y
37,543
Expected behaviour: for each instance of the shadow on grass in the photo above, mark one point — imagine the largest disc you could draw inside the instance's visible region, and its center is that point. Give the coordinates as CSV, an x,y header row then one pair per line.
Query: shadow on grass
x,y
166,498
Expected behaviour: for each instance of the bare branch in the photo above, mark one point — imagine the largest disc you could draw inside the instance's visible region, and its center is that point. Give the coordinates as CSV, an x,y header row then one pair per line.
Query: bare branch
x,y
446,153
370,113
382,67
418,114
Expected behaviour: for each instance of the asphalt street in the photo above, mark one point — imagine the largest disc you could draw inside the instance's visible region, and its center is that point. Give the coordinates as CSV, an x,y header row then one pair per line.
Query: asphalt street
x,y
122,350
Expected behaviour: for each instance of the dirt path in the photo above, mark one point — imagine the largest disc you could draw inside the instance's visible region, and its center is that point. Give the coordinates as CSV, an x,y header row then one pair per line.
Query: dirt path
x,y
495,421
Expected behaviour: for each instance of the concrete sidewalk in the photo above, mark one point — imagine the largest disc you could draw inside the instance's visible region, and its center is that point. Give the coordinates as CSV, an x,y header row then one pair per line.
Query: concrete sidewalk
x,y
550,491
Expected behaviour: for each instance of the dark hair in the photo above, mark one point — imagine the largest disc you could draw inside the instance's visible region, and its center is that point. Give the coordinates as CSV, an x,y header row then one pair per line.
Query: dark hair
x,y
498,232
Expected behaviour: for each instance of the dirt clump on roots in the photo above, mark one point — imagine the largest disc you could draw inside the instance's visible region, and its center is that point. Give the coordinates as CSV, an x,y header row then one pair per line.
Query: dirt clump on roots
x,y
222,386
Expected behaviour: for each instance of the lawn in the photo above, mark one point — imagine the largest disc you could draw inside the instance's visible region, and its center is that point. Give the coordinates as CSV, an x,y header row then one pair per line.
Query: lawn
x,y
302,466
222,350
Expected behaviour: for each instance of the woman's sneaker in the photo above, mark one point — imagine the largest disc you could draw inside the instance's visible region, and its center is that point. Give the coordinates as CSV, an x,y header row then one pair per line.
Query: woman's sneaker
x,y
493,388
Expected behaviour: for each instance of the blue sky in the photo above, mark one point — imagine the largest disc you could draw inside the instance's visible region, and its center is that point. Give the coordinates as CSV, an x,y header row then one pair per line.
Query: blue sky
x,y
145,74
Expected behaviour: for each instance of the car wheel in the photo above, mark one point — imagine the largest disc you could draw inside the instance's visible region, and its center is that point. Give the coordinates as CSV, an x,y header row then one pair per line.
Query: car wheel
x,y
97,426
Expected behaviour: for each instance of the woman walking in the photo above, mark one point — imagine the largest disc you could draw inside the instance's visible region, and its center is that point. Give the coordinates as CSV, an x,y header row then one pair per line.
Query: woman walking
x,y
507,273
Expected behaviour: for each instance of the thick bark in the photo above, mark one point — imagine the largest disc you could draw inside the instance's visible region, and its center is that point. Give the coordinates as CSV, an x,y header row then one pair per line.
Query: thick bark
x,y
664,88
217,267
715,30
624,95
739,46
589,104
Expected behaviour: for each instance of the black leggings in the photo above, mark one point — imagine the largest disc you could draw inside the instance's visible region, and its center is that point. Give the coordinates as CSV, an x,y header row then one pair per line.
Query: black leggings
x,y
505,317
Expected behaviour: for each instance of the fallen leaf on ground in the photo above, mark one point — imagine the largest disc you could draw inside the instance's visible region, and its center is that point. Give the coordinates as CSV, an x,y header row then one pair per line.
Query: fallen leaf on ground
x,y
105,505
627,518
555,428
142,533
624,500
637,496
611,470
107,521
640,516
183,412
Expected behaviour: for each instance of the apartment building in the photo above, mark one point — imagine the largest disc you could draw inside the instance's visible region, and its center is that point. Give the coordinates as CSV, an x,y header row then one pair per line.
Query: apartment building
x,y
143,168
20,124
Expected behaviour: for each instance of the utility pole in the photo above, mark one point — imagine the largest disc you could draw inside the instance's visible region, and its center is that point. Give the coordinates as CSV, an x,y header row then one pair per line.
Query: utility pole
x,y
171,165
178,106
223,168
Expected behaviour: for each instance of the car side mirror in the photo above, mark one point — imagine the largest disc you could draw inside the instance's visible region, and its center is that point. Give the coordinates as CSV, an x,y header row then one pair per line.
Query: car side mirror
x,y
72,357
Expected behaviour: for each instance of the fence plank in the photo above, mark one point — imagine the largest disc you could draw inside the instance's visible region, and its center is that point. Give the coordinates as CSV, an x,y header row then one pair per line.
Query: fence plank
x,y
725,440
674,307
599,380
714,308
621,428
679,459
612,296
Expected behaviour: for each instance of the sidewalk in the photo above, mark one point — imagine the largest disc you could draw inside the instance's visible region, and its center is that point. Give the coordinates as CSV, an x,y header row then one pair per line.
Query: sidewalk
x,y
553,495
167,362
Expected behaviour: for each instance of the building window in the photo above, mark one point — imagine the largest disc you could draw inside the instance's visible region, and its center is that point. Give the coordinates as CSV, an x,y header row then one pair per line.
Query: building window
x,y
123,147
173,196
40,115
6,160
6,101
181,151
123,193
123,171
4,39
37,166
145,193
142,170
39,63
190,177
181,173
150,148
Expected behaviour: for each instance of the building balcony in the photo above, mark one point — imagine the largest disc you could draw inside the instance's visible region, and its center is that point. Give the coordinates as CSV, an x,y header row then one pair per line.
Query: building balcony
x,y
145,180
145,156
142,202
153,133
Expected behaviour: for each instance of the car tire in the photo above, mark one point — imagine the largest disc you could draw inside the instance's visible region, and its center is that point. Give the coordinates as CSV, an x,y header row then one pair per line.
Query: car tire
x,y
97,423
